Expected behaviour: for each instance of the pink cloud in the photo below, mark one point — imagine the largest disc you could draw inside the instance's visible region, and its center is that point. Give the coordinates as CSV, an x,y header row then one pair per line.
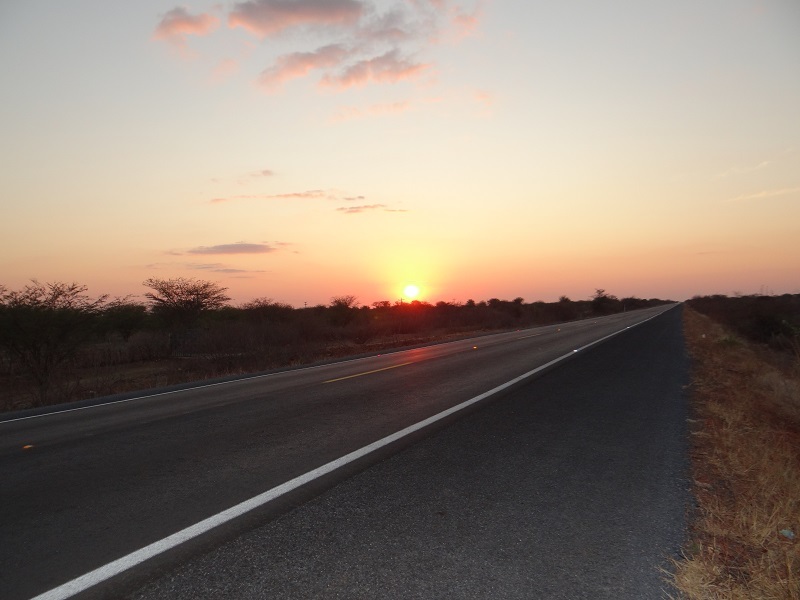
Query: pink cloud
x,y
178,23
299,64
236,248
224,69
392,26
484,98
387,68
465,23
269,17
307,195
351,210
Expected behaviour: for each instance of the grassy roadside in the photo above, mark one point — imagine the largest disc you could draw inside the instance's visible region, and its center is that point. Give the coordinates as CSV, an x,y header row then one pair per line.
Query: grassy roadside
x,y
745,534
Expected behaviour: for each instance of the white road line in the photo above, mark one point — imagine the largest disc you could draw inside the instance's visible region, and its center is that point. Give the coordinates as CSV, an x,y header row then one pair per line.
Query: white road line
x,y
133,559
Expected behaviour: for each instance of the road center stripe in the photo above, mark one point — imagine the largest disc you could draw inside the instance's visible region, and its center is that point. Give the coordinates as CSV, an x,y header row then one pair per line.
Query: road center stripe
x,y
368,372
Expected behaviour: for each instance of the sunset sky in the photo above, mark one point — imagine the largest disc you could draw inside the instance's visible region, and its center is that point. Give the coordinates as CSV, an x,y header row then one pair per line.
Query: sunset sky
x,y
304,149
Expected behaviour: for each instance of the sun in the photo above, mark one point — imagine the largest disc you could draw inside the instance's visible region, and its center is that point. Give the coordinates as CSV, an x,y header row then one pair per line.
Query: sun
x,y
411,291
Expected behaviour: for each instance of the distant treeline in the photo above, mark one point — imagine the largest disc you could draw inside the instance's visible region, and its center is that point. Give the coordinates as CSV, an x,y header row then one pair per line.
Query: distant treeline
x,y
51,334
772,320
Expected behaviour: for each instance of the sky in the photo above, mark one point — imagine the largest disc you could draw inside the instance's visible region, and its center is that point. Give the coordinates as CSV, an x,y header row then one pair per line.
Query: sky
x,y
300,150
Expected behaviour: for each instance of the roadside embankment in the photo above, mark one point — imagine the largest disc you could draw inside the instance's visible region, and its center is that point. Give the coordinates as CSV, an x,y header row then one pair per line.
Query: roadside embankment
x,y
745,536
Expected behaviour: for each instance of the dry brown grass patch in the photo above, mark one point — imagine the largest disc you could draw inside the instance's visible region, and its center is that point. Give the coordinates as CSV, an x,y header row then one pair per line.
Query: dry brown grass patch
x,y
746,466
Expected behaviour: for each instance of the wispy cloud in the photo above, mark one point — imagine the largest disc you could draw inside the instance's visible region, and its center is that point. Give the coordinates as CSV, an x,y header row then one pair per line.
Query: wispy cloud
x,y
219,268
305,195
368,42
299,64
765,194
237,248
224,69
178,23
270,17
310,194
735,171
389,67
210,267
350,210
465,22
341,43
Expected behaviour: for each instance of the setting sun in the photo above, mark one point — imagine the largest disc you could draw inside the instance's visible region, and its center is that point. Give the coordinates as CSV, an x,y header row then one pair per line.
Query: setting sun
x,y
411,292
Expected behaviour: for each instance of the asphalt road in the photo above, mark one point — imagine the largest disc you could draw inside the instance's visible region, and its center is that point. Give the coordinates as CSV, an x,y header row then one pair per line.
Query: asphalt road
x,y
570,486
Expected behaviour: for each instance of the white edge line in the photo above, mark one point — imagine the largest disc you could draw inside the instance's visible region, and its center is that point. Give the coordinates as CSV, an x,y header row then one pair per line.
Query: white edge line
x,y
92,578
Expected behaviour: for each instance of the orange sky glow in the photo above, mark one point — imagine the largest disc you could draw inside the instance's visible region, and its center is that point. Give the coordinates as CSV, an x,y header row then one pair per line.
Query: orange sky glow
x,y
305,149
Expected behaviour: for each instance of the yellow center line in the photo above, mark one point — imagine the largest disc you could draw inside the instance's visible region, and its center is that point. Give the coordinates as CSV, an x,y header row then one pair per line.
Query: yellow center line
x,y
522,337
367,372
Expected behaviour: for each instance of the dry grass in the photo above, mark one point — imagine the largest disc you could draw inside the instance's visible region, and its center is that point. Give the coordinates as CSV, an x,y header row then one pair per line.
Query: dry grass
x,y
746,467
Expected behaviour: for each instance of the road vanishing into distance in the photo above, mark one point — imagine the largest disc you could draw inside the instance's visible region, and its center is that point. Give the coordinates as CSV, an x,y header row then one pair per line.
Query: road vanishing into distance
x,y
539,463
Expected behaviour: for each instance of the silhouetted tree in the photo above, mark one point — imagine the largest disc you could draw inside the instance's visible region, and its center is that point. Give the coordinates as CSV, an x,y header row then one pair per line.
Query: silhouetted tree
x,y
603,303
123,317
181,301
43,325
342,309
267,309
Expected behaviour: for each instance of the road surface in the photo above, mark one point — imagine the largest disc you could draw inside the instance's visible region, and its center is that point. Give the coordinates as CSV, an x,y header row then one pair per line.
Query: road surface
x,y
604,432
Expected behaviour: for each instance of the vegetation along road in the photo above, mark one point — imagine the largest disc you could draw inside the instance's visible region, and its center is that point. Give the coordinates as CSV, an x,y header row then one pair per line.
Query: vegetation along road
x,y
570,484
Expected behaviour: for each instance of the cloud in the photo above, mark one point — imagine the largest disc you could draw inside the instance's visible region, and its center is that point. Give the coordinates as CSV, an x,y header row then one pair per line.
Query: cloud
x,y
178,23
765,194
306,195
394,26
224,69
465,23
299,195
237,248
345,43
352,210
733,171
485,98
299,64
212,267
390,67
218,268
349,210
266,173
270,17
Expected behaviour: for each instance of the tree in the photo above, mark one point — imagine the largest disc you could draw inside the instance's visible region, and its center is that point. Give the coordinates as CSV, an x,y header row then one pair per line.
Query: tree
x,y
267,310
181,301
43,325
341,311
124,317
603,303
